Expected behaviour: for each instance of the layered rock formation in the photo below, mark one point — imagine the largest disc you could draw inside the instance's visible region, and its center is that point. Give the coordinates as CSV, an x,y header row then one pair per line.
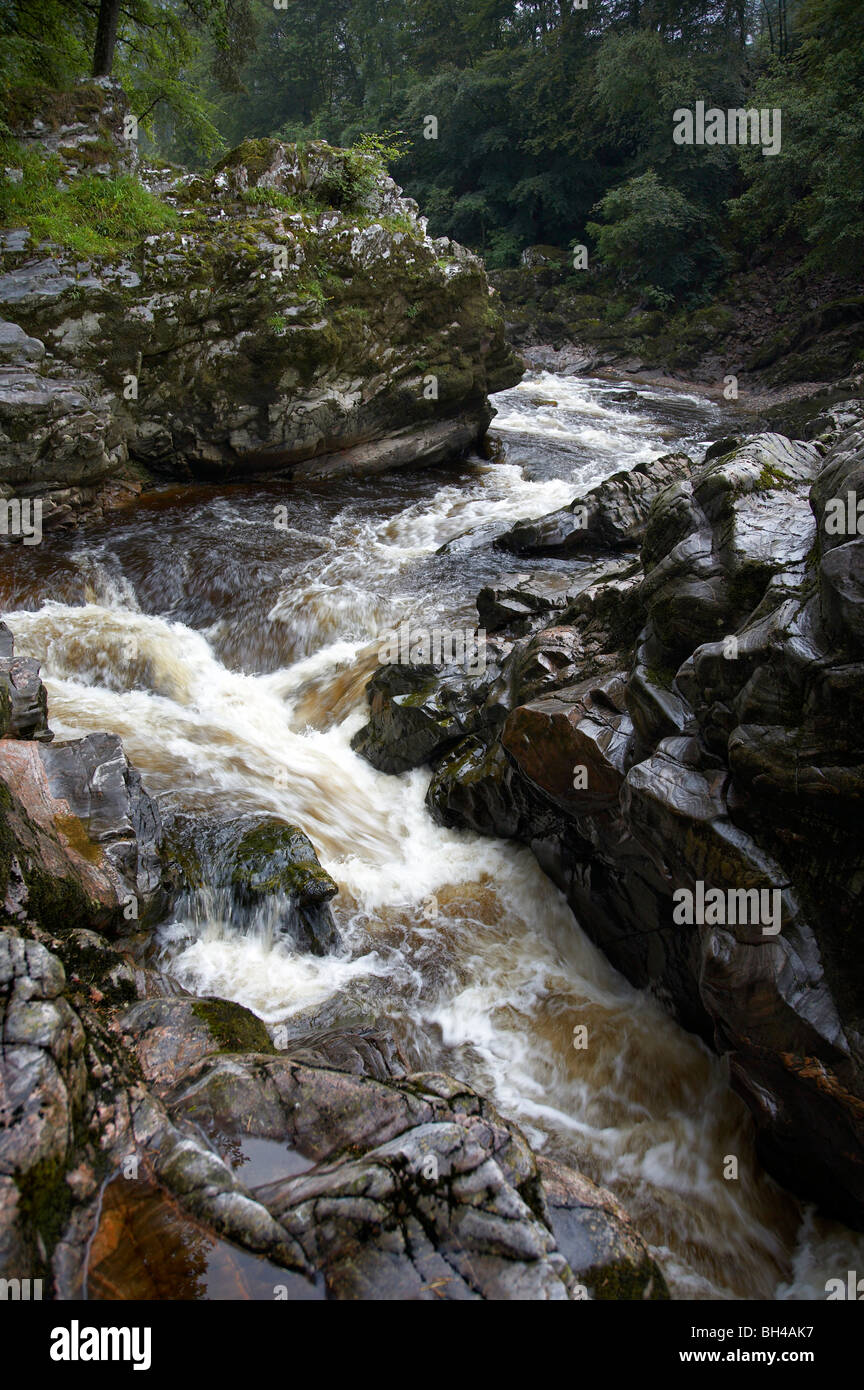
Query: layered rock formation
x,y
293,318
688,724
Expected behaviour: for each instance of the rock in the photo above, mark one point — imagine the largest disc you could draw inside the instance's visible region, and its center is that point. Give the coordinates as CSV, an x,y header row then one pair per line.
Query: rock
x,y
573,746
172,1034
419,714
275,328
598,1239
163,1148
610,516
254,865
477,787
81,837
835,422
83,127
840,545
150,1248
56,432
363,1050
712,544
706,735
418,1190
16,347
416,713
276,858
43,1080
512,603
23,698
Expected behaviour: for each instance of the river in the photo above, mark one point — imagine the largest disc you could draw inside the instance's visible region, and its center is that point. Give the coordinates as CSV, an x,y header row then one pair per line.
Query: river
x,y
231,655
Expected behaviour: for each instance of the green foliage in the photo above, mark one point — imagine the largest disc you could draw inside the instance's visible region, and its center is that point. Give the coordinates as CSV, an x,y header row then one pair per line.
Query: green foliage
x,y
272,198
91,214
172,57
554,123
813,190
47,43
653,237
350,178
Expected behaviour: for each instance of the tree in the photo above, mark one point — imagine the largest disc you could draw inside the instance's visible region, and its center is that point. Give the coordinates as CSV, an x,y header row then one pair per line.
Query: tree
x,y
654,238
106,37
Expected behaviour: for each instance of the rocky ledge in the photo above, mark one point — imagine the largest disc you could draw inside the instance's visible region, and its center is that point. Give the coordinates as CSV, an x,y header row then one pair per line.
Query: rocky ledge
x,y
154,1144
676,731
291,317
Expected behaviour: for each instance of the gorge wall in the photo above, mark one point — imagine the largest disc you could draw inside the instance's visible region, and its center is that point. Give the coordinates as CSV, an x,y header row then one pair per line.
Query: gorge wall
x,y
685,721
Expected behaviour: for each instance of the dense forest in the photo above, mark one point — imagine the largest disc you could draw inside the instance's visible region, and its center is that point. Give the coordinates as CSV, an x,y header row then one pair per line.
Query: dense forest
x,y
512,122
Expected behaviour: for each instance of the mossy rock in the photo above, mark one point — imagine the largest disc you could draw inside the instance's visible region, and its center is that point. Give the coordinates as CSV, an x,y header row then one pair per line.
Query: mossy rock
x,y
52,901
256,156
232,1027
274,857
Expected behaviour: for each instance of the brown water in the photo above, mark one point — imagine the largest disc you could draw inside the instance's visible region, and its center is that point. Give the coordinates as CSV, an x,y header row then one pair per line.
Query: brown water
x,y
231,656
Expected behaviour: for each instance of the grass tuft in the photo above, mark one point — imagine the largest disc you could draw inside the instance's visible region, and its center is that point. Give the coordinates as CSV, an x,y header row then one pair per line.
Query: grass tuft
x,y
92,214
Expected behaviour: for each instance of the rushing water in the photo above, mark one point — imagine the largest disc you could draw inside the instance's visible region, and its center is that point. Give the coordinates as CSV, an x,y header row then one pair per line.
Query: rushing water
x,y
231,655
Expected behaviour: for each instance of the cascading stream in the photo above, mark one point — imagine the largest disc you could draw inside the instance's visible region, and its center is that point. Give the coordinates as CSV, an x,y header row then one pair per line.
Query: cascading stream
x,y
231,656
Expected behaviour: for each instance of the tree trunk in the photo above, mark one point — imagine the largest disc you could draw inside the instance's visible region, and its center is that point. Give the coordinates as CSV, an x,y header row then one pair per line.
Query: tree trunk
x,y
106,37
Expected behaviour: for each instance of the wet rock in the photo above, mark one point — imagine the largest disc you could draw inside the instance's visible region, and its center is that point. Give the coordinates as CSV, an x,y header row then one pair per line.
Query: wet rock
x,y
23,698
276,858
416,713
146,1246
840,546
339,1036
712,736
836,421
165,1149
573,746
81,835
514,602
419,1190
251,368
56,431
611,516
259,868
42,1084
712,544
172,1034
597,1238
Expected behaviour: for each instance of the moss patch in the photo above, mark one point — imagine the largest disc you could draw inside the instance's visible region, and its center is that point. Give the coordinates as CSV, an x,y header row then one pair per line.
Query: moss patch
x,y
234,1028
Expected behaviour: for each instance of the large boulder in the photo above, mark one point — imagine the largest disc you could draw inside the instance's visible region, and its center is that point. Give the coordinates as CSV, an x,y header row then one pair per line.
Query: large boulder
x,y
80,836
23,698
259,868
292,318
